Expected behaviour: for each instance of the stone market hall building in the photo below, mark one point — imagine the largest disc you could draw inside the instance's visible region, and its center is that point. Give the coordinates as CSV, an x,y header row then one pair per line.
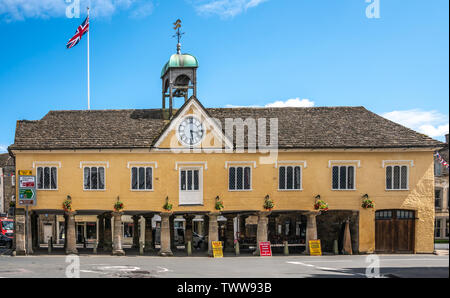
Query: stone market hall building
x,y
341,155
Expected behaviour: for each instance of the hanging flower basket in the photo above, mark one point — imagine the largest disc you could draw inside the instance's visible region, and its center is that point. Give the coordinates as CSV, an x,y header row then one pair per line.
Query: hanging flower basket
x,y
219,204
118,206
67,204
167,206
367,203
320,204
268,203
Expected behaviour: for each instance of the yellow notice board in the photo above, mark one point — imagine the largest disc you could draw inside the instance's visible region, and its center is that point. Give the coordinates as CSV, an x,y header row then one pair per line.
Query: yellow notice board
x,y
25,173
314,248
217,249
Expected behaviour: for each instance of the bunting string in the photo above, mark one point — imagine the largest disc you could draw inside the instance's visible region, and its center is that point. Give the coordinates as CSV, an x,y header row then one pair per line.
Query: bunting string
x,y
441,160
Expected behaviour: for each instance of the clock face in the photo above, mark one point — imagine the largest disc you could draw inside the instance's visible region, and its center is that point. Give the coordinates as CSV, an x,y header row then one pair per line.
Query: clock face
x,y
190,131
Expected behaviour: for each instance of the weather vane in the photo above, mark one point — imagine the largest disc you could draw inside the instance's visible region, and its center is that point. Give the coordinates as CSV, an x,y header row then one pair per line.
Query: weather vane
x,y
178,34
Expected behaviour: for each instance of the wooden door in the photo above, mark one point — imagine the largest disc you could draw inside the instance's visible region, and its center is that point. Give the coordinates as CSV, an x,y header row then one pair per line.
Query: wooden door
x,y
394,231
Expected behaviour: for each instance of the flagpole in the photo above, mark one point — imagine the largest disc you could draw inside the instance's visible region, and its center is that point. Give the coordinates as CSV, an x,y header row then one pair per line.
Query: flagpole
x,y
88,70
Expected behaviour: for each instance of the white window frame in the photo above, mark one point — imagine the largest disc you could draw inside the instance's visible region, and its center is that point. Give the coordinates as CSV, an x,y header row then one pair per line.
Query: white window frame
x,y
400,177
185,194
293,177
94,166
131,177
243,166
50,166
339,176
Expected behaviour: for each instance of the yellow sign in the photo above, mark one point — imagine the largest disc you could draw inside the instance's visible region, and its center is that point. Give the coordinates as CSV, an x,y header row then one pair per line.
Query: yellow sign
x,y
315,248
25,173
217,249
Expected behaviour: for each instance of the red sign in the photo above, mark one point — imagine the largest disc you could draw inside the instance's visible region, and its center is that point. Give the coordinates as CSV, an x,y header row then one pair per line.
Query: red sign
x,y
265,250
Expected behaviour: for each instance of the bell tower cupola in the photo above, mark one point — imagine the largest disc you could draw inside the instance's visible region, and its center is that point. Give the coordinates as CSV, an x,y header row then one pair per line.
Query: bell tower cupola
x,y
179,76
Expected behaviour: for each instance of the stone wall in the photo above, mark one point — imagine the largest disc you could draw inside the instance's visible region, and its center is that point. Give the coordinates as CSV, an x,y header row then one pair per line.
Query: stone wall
x,y
330,227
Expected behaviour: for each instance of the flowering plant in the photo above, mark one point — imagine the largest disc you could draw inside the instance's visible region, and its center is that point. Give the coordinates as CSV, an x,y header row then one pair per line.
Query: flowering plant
x,y
118,206
67,204
268,203
320,204
367,203
219,204
167,206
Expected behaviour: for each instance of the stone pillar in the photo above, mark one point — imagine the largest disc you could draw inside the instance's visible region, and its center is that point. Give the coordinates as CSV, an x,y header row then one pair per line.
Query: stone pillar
x,y
117,239
148,233
71,235
311,228
34,221
107,240
229,233
347,247
188,230
242,226
19,232
172,232
101,232
261,232
136,231
165,235
213,231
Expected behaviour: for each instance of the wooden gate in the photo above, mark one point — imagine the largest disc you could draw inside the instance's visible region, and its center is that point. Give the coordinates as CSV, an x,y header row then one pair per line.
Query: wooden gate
x,y
394,231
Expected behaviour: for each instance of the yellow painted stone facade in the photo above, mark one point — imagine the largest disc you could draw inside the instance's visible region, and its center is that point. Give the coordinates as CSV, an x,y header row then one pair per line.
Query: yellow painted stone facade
x,y
316,179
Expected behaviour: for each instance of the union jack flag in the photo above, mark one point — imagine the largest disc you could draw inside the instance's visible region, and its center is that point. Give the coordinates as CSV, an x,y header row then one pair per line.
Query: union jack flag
x,y
81,30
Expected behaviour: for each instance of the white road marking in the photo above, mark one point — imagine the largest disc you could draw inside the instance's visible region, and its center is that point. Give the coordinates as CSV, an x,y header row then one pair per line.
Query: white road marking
x,y
163,270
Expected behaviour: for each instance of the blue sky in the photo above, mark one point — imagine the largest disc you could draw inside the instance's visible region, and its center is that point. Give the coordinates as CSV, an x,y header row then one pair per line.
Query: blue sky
x,y
251,53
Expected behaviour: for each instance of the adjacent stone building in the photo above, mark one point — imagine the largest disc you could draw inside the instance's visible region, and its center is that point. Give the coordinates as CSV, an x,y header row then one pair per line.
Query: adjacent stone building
x,y
194,158
7,183
441,173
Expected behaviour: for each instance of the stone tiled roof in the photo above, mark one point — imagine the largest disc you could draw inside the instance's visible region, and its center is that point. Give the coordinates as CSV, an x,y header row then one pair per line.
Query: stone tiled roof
x,y
319,127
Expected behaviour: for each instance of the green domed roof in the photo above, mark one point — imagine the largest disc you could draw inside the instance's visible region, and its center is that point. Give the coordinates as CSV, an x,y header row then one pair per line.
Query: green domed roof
x,y
180,60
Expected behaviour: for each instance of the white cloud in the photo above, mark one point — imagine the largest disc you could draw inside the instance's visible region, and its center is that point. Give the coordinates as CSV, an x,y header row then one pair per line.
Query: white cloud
x,y
19,10
295,102
431,123
224,8
3,148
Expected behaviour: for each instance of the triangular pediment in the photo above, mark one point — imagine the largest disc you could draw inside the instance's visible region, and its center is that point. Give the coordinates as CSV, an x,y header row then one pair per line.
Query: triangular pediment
x,y
193,128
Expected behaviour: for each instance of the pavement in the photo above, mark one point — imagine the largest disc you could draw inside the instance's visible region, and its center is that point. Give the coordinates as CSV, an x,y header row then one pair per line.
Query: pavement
x,y
244,266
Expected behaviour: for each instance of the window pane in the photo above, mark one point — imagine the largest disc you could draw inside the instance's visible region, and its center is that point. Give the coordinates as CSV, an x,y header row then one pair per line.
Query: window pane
x,y
87,178
232,178
239,177
141,178
189,183
335,177
282,178
404,175
247,177
148,178
101,178
46,178
351,178
196,181
94,178
40,178
297,178
289,178
134,179
396,177
183,180
389,177
343,178
53,182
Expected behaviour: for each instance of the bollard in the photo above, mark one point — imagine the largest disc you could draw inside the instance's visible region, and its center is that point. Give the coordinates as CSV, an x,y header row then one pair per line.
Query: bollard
x,y
236,248
141,248
95,246
335,247
49,245
189,248
51,242
286,248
